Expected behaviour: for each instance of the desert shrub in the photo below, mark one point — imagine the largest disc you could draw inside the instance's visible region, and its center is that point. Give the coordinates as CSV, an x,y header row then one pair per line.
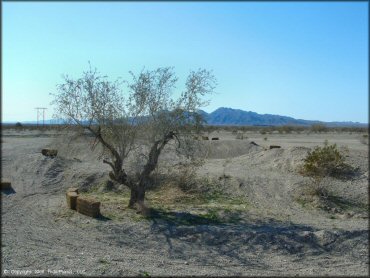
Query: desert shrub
x,y
320,190
269,130
299,129
325,161
18,124
265,138
320,164
364,139
315,194
181,175
286,128
263,132
318,128
245,128
186,179
316,189
239,135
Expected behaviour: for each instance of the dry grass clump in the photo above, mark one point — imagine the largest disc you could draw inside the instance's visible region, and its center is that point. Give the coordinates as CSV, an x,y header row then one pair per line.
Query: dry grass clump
x,y
203,203
314,193
181,197
184,189
317,195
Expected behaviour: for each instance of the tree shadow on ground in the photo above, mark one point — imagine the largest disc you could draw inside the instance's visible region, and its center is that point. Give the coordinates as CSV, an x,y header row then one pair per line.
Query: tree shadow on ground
x,y
190,237
178,237
348,173
183,218
103,218
345,204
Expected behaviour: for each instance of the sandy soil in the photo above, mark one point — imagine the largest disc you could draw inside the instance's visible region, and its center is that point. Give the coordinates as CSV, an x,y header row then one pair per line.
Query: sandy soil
x,y
278,236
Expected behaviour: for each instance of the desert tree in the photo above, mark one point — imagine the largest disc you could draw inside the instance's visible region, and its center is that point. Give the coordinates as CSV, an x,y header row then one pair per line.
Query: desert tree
x,y
144,112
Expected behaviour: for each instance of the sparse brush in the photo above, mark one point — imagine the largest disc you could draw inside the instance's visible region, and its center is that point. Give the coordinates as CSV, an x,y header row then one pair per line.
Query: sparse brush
x,y
317,189
317,195
186,179
286,129
322,162
240,135
364,139
319,128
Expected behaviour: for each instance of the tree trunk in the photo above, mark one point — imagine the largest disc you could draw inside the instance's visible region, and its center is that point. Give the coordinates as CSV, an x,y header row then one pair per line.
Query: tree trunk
x,y
138,191
137,197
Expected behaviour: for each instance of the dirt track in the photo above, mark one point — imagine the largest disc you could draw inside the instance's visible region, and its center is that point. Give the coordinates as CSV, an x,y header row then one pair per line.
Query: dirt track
x,y
276,237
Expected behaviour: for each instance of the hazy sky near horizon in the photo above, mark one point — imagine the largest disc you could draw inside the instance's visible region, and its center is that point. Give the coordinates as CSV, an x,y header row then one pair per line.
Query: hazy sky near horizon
x,y
307,60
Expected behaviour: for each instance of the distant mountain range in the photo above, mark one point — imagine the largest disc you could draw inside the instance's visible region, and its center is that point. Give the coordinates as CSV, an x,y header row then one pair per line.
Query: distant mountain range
x,y
229,116
237,117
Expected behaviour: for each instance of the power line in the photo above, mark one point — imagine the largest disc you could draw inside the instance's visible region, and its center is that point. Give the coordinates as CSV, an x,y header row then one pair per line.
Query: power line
x,y
39,109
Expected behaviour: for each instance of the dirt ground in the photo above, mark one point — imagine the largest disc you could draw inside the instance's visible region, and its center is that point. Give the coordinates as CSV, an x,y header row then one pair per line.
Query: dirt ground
x,y
275,235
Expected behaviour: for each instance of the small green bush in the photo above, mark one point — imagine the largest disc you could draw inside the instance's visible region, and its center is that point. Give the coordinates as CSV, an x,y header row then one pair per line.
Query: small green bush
x,y
325,161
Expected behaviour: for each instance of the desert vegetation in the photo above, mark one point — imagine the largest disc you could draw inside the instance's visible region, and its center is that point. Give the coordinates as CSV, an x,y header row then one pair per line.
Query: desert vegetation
x,y
326,161
287,129
249,159
215,200
143,120
318,128
321,164
232,201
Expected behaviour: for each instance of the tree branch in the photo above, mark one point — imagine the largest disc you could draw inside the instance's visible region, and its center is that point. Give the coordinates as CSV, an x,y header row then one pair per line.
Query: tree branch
x,y
109,163
104,143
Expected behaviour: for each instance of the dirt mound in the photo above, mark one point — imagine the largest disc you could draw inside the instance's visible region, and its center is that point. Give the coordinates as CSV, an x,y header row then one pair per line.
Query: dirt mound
x,y
230,148
46,172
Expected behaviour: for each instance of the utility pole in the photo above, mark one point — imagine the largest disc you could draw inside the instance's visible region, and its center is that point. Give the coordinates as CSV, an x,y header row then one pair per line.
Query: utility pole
x,y
39,109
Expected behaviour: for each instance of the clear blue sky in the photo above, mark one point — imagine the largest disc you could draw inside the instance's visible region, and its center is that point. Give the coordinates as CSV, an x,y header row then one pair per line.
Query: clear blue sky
x,y
307,60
